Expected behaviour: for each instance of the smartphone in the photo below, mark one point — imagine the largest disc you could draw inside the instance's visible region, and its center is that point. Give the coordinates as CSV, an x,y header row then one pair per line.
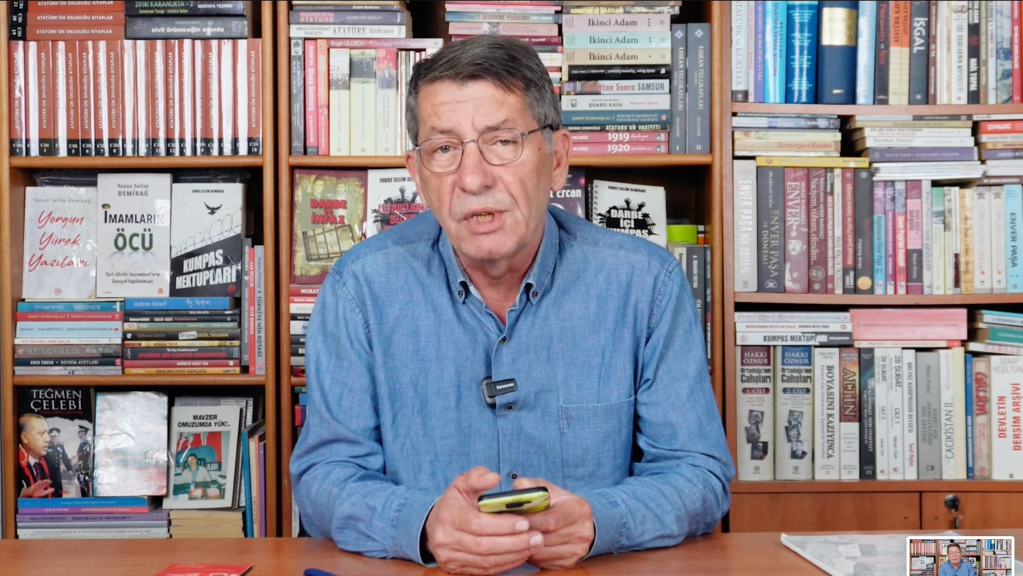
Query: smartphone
x,y
524,501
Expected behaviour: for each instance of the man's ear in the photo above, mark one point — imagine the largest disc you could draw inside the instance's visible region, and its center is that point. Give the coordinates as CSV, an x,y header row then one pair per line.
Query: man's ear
x,y
562,142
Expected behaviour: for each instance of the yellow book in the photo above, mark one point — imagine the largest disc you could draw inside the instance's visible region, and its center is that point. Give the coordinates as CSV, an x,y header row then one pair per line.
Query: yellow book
x,y
813,161
176,370
966,240
228,515
179,343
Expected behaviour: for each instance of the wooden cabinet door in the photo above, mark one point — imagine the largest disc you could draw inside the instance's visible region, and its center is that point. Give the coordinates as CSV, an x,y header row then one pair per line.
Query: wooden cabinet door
x,y
828,512
981,510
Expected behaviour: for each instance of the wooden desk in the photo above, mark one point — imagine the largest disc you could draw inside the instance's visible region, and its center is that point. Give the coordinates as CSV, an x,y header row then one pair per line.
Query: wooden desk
x,y
762,554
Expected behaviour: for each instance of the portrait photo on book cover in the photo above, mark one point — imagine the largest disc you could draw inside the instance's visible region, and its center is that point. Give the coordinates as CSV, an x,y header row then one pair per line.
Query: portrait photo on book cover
x,y
200,465
961,555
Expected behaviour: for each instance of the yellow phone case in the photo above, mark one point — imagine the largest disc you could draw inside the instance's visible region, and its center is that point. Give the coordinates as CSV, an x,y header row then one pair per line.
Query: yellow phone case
x,y
518,501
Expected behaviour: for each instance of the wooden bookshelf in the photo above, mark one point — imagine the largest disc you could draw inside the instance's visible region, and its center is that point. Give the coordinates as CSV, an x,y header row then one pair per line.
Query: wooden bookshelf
x,y
691,181
16,175
852,504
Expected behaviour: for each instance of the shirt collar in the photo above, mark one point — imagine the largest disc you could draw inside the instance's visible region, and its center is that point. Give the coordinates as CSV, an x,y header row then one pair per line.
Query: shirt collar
x,y
536,279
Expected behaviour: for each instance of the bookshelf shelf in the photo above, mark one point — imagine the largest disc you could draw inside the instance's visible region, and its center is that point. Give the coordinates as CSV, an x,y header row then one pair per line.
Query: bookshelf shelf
x,y
346,161
141,380
849,109
876,300
812,486
637,161
143,162
297,381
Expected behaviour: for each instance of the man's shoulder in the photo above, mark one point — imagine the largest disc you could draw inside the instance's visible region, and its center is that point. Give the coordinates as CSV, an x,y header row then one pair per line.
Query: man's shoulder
x,y
597,244
391,249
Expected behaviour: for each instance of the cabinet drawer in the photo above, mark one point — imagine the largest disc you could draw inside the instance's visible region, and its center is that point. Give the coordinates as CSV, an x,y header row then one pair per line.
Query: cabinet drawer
x,y
981,510
815,512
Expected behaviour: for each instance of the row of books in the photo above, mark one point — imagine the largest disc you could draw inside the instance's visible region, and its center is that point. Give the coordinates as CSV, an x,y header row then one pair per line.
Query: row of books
x,y
843,230
178,97
884,52
117,20
212,458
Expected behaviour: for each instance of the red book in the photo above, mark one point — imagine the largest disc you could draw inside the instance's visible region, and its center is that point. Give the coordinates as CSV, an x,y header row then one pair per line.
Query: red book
x,y
77,7
1001,127
16,121
254,107
205,570
401,43
619,137
180,363
817,178
250,319
298,371
1017,92
303,290
900,238
312,138
889,237
796,231
115,97
68,316
73,18
322,97
908,323
172,95
829,227
848,231
44,65
618,148
302,299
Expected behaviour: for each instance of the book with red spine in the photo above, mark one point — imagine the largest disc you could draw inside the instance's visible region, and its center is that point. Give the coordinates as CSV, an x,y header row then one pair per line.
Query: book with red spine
x,y
144,97
44,67
618,148
889,240
16,120
848,231
817,180
303,290
74,32
1017,87
158,104
68,316
130,87
187,80
900,237
211,49
312,137
223,363
254,109
796,231
1000,127
228,144
172,95
914,237
829,230
894,324
400,43
250,312
77,7
322,97
60,98
87,100
618,137
100,86
72,18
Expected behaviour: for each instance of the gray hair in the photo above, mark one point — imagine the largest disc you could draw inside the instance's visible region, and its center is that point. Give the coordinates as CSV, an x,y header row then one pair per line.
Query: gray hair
x,y
507,62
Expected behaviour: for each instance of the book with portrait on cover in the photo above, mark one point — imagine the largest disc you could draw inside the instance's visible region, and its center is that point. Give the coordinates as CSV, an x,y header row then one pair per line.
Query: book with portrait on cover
x,y
204,452
329,217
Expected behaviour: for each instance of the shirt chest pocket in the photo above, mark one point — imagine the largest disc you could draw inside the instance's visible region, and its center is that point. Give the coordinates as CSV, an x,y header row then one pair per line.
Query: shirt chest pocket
x,y
596,443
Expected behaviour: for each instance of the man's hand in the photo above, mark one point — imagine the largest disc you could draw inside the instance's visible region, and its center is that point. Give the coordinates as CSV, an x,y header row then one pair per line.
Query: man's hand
x,y
40,489
464,540
567,527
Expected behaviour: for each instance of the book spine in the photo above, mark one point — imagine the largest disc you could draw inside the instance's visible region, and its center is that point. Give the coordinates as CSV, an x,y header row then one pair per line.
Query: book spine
x,y
172,97
60,97
201,143
213,89
988,53
457,16
879,237
800,87
679,61
73,99
250,308
927,236
949,449
297,97
959,392
469,28
932,51
1013,215
210,27
158,104
866,30
896,442
1017,87
697,111
889,239
745,225
848,223
849,414
187,80
864,223
322,106
928,416
754,412
914,238
882,417
751,57
386,101
973,41
312,138
919,14
760,41
16,66
967,263
901,257
951,235
898,52
954,154
740,50
796,231
363,92
827,463
830,206
340,130
1003,53
770,219
881,53
981,241
794,401
610,87
817,233
44,66
981,419
837,207
867,447
183,9
612,148
254,111
775,56
228,143
593,56
968,376
909,416
998,240
958,71
346,17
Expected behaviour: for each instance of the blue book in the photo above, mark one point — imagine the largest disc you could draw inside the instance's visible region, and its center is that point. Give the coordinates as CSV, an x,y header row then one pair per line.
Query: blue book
x,y
97,329
1013,213
775,45
802,52
759,13
583,117
836,53
211,303
112,501
879,238
866,31
246,481
302,398
969,417
77,306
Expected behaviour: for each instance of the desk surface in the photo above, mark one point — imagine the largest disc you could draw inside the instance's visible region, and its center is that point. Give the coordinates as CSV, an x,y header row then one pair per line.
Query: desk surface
x,y
762,554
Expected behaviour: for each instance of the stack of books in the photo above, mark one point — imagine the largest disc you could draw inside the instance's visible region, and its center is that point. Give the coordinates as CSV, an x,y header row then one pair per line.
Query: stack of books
x,y
883,52
996,332
349,70
535,23
786,135
1000,137
182,336
68,337
207,524
907,147
90,518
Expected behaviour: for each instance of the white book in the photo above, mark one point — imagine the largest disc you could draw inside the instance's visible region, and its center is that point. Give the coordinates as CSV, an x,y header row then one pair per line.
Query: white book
x,y
340,102
997,239
866,30
951,237
740,49
793,438
896,442
207,227
257,365
982,240
788,327
744,214
925,235
911,142
943,85
959,398
158,104
1007,412
936,222
133,239
630,208
60,123
363,93
31,84
213,89
245,404
909,415
138,468
386,82
948,419
849,414
836,229
242,95
391,198
754,412
60,243
783,316
827,457
129,122
204,457
989,60
958,74
882,373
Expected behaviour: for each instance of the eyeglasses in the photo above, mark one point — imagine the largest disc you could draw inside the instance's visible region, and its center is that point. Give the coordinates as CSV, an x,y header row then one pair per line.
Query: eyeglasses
x,y
498,147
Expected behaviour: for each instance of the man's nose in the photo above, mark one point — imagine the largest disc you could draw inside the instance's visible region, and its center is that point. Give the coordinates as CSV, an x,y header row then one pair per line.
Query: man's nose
x,y
474,171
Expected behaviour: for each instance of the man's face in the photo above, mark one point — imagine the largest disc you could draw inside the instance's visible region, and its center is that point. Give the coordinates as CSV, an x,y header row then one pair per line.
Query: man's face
x,y
34,438
490,213
192,461
795,246
81,434
954,554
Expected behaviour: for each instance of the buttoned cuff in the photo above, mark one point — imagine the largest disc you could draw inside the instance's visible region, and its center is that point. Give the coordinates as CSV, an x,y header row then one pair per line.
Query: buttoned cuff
x,y
608,522
407,524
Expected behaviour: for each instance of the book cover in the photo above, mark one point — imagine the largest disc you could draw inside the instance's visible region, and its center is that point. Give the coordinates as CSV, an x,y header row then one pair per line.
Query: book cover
x,y
630,208
928,416
740,12
950,449
836,52
981,418
697,108
797,276
206,239
754,412
1007,394
204,457
329,217
770,226
775,51
133,239
572,196
340,102
849,413
793,413
60,250
827,454
391,199
131,456
801,87
868,468
363,93
58,427
896,441
678,83
744,222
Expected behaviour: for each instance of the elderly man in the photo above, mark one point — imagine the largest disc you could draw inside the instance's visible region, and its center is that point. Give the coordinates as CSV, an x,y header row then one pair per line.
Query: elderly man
x,y
604,396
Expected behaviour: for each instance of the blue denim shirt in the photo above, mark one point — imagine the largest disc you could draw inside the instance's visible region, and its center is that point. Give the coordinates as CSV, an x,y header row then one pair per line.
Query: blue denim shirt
x,y
613,403
965,568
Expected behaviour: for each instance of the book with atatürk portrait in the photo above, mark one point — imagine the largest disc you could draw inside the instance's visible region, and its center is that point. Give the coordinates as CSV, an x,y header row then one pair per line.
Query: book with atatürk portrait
x,y
207,226
329,217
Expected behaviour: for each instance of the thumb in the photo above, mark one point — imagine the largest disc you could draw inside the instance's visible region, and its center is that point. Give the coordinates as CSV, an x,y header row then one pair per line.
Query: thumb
x,y
477,481
523,483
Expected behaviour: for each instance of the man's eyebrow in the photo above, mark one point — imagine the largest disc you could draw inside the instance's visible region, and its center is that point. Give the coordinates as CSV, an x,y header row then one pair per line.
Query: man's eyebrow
x,y
438,132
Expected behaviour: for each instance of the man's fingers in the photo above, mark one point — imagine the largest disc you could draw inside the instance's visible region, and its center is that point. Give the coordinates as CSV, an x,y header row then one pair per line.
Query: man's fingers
x,y
557,557
463,563
529,542
480,524
550,520
475,482
523,483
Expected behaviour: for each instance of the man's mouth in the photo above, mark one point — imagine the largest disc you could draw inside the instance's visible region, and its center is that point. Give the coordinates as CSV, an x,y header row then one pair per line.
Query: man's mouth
x,y
483,216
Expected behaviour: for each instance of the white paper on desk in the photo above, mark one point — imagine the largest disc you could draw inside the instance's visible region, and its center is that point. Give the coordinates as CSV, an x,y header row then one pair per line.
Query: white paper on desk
x,y
855,554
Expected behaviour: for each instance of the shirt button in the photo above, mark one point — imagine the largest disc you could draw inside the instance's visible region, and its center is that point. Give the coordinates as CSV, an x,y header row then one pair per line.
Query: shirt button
x,y
514,475
509,407
459,293
503,339
536,294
